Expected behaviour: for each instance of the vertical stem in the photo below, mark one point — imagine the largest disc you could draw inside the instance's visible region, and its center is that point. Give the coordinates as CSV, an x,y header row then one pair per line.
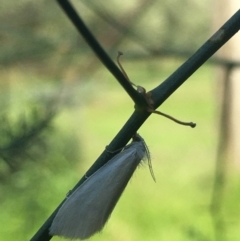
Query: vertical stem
x,y
221,165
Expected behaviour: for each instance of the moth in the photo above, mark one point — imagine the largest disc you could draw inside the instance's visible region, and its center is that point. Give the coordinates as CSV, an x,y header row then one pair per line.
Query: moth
x,y
88,208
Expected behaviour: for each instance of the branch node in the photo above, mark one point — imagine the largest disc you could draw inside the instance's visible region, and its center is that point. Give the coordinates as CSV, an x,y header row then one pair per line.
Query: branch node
x,y
148,97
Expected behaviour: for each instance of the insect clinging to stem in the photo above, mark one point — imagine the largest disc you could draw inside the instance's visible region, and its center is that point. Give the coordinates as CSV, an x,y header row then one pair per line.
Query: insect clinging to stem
x,y
88,208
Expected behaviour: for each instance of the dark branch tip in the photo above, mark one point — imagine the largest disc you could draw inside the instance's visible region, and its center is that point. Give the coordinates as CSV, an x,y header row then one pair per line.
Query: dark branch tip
x,y
192,124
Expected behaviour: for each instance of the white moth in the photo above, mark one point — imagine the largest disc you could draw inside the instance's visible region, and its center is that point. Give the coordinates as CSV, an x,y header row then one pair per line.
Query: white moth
x,y
88,208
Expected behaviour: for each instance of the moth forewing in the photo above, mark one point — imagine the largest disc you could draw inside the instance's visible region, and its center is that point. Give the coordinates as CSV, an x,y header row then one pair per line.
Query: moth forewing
x,y
88,208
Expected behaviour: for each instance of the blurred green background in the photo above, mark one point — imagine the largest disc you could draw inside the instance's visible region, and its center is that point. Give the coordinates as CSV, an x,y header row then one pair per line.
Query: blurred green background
x,y
49,75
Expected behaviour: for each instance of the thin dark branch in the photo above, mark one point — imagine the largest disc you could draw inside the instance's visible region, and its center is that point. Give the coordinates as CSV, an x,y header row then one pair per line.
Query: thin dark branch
x,y
130,19
99,51
160,94
164,90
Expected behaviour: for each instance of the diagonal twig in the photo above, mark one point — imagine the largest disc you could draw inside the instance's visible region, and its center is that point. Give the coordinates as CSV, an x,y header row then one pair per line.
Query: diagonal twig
x,y
99,51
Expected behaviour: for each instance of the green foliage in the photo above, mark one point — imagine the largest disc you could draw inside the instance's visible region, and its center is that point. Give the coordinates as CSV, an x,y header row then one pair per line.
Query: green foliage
x,y
22,138
35,156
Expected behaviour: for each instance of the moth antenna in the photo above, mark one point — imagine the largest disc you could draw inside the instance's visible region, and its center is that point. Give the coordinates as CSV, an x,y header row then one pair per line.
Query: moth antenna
x,y
149,161
137,137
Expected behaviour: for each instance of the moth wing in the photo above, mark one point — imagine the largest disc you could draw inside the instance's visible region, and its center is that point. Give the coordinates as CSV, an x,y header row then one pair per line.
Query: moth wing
x,y
87,210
